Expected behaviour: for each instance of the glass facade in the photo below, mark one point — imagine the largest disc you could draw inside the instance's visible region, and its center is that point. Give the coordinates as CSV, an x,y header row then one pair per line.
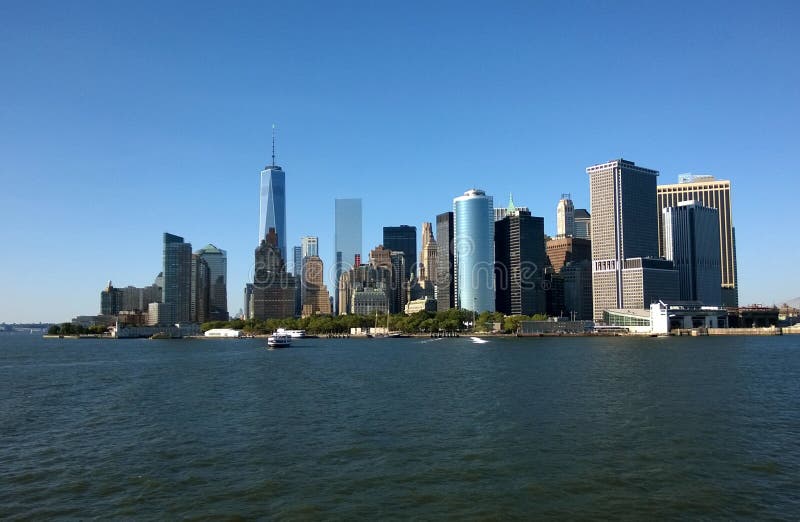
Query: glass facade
x,y
403,239
272,207
217,260
445,272
520,256
613,318
347,237
474,251
691,241
310,245
583,224
177,290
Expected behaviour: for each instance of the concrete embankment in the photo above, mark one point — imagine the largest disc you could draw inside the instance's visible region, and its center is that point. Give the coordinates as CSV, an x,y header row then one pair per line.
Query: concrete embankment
x,y
745,331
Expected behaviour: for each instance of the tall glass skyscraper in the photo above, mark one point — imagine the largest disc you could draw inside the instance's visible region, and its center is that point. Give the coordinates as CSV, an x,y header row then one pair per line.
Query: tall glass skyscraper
x,y
520,255
403,239
272,208
474,251
177,290
297,260
347,237
691,241
445,272
217,260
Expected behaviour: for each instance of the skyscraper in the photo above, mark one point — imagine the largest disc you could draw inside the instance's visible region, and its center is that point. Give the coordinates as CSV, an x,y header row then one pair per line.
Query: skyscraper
x,y
501,212
583,224
217,260
428,257
347,237
712,193
691,241
315,295
248,300
403,239
520,261
577,276
297,271
399,284
310,246
394,264
201,289
273,293
474,251
565,217
297,260
111,300
177,290
625,230
445,271
272,208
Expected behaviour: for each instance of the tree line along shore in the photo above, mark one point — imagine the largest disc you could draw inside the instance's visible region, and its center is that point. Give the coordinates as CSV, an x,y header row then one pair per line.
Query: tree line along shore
x,y
453,320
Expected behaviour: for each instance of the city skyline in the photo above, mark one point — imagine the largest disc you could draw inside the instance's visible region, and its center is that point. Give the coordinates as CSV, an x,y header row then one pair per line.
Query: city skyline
x,y
200,136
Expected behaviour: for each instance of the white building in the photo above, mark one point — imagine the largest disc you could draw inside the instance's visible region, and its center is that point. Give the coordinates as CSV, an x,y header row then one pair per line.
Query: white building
x,y
223,332
565,217
665,317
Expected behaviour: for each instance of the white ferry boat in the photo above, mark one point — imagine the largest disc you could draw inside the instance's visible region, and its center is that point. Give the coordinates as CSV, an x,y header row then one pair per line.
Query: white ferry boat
x,y
294,334
279,340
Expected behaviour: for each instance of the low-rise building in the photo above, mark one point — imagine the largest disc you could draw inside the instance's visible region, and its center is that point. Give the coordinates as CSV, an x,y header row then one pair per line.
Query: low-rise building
x,y
663,317
367,301
223,332
425,304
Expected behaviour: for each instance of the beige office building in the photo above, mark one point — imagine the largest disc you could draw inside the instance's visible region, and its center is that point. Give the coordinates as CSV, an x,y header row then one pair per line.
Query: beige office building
x,y
315,294
712,193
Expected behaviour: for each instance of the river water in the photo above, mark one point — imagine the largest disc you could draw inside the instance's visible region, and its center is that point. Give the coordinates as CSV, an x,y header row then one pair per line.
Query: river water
x,y
400,428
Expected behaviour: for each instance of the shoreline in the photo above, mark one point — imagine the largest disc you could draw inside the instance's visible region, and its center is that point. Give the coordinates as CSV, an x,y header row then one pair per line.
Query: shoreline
x,y
712,332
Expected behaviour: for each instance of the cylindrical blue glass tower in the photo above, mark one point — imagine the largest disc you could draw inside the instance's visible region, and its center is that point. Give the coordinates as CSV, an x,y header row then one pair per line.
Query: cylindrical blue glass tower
x,y
474,251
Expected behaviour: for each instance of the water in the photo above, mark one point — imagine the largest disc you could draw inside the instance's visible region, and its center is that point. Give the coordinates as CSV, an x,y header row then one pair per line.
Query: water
x,y
405,428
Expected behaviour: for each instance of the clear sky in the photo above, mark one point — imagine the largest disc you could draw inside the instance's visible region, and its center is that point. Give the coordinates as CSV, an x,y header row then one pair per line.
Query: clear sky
x,y
122,120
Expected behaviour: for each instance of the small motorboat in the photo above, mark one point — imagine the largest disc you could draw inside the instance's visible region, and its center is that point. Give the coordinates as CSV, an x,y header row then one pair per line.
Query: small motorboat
x,y
279,340
478,340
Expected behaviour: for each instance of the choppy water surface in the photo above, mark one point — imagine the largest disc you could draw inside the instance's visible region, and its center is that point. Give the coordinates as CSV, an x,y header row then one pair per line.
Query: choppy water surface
x,y
406,428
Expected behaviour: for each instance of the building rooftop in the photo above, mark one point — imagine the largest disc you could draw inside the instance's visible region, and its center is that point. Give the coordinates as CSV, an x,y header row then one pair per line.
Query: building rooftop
x,y
695,178
210,249
630,312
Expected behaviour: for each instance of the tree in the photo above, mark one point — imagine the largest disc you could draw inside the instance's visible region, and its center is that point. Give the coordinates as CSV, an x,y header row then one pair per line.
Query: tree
x,y
512,322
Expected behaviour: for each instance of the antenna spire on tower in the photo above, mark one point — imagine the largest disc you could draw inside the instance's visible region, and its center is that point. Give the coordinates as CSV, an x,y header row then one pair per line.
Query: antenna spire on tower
x,y
273,144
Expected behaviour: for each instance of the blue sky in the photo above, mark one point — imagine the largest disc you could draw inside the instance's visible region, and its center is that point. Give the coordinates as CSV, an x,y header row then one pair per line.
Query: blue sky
x,y
123,120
